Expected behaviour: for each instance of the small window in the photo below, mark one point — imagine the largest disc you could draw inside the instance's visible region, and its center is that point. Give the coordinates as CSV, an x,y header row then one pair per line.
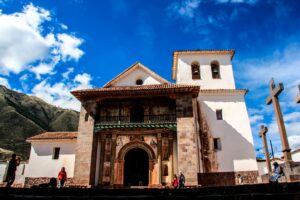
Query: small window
x,y
86,117
215,70
219,114
195,70
56,153
217,144
139,82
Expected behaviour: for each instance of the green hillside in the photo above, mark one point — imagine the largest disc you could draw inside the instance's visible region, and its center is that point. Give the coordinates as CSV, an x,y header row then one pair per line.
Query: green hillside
x,y
22,116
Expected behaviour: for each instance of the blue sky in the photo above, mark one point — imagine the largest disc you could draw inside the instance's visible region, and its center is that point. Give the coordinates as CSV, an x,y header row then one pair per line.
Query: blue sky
x,y
50,47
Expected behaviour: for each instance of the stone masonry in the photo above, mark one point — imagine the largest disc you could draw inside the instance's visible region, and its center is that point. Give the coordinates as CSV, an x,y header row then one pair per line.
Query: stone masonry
x,y
187,139
86,146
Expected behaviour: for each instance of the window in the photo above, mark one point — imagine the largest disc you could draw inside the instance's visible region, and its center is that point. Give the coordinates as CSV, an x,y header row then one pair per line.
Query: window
x,y
195,70
219,114
137,114
55,155
86,117
215,70
139,82
217,144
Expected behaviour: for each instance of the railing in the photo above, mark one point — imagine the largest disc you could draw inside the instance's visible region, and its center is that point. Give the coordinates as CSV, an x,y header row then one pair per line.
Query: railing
x,y
143,119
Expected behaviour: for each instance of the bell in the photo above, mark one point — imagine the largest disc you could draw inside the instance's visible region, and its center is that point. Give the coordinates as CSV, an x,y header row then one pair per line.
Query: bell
x,y
215,69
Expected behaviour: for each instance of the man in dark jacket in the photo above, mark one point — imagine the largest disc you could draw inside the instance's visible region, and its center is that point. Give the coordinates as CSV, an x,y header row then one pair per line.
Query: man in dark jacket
x,y
11,171
181,181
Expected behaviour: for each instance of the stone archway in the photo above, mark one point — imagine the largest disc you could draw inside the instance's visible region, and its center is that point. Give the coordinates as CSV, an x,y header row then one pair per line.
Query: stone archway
x,y
120,161
136,168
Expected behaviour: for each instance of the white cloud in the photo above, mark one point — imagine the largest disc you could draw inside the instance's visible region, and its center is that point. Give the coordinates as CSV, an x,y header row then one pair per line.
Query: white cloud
x,y
24,45
185,8
64,27
294,141
83,81
69,46
281,65
20,43
59,93
4,81
42,68
237,1
66,74
34,16
256,118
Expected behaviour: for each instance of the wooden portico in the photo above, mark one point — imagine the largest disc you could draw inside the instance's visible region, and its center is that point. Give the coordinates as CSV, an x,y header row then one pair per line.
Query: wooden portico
x,y
116,121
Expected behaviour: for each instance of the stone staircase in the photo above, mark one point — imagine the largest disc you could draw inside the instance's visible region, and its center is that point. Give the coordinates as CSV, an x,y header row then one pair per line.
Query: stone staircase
x,y
289,191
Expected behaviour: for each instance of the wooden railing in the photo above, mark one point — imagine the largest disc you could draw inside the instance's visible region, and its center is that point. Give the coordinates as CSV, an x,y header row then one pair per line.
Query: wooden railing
x,y
144,119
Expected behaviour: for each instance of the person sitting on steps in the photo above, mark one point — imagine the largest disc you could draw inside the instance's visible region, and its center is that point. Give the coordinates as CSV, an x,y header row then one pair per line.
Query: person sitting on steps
x,y
277,173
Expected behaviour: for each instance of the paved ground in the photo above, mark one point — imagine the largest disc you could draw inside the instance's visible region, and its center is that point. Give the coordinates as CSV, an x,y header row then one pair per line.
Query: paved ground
x,y
290,191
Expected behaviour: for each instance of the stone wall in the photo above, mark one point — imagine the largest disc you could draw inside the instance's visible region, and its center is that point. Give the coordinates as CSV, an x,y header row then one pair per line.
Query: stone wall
x,y
85,161
30,181
187,139
227,178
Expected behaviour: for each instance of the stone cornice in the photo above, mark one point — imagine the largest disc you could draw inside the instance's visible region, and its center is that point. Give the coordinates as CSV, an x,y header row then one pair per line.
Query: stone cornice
x,y
225,92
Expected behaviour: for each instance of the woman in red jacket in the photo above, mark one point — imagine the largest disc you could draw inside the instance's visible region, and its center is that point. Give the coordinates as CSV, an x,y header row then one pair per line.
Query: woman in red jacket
x,y
62,177
175,182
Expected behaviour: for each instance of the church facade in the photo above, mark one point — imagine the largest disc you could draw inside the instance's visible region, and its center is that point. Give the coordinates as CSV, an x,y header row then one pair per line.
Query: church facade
x,y
140,129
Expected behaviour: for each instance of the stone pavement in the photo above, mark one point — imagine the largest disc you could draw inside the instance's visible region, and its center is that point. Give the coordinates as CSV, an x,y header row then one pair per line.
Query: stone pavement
x,y
288,191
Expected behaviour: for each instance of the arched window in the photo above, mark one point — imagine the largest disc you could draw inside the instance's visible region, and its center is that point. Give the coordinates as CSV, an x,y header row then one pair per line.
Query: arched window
x,y
139,82
195,70
215,70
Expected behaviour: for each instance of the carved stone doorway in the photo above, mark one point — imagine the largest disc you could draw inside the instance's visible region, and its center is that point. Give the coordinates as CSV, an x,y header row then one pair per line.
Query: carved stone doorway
x,y
136,168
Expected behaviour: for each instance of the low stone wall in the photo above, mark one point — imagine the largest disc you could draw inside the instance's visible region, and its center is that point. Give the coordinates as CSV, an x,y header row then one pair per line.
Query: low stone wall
x,y
29,181
227,178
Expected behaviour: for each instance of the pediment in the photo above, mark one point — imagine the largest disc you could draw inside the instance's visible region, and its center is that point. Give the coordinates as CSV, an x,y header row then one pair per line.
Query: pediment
x,y
134,75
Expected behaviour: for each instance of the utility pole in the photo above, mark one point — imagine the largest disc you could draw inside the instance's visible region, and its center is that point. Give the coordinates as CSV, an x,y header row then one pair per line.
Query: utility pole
x,y
272,149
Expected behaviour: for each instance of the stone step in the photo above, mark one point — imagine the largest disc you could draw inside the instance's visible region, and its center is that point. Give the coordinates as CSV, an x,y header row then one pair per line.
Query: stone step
x,y
288,191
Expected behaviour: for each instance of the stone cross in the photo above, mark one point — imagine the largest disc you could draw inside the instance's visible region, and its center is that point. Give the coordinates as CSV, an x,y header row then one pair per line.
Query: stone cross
x,y
262,133
298,97
273,98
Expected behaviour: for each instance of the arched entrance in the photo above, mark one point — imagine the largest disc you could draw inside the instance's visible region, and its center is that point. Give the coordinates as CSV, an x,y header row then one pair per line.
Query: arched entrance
x,y
136,168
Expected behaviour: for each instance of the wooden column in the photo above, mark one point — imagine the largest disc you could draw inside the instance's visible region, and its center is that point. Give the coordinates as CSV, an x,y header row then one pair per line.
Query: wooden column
x,y
159,154
171,155
298,96
102,154
113,155
273,98
262,133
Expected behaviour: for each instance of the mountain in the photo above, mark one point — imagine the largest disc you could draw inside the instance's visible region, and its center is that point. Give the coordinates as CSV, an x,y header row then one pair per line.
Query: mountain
x,y
22,116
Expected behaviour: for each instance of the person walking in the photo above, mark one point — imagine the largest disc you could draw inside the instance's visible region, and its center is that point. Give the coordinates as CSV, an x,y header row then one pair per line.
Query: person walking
x,y
12,168
175,182
62,177
181,181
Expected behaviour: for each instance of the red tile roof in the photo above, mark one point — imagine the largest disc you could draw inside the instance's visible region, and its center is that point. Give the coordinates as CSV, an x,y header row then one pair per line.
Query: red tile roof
x,y
121,91
53,136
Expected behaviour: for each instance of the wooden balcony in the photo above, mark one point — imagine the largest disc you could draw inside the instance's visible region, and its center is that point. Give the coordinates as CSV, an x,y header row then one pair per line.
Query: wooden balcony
x,y
145,119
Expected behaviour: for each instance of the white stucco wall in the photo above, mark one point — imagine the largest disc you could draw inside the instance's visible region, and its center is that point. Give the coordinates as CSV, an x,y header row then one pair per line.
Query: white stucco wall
x,y
184,73
296,157
130,79
41,163
262,167
237,153
3,166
